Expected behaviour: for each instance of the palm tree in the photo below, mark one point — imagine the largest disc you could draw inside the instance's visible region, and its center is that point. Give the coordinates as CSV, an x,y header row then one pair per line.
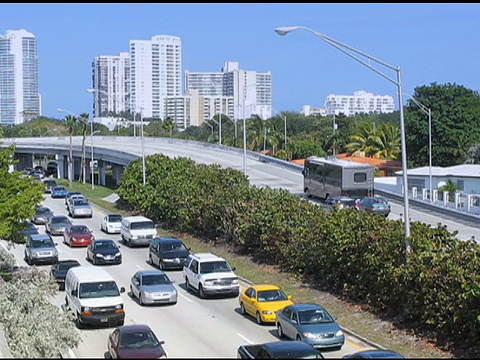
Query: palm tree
x,y
70,120
84,120
169,126
360,141
386,142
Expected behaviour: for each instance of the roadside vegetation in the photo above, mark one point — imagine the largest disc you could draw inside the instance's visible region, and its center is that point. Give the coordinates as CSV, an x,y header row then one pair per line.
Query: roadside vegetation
x,y
34,327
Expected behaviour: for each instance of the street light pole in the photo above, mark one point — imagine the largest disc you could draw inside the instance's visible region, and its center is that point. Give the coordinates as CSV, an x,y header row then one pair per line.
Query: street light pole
x,y
244,138
398,82
143,148
220,123
427,111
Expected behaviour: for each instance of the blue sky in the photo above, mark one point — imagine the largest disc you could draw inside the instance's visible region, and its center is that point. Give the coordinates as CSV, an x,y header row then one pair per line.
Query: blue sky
x,y
429,42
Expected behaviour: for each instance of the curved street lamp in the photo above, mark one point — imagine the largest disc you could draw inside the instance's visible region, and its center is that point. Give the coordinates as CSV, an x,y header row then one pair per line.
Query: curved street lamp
x,y
284,30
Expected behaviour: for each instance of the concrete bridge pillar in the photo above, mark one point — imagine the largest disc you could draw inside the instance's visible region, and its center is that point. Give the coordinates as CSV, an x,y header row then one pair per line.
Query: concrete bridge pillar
x,y
101,173
117,171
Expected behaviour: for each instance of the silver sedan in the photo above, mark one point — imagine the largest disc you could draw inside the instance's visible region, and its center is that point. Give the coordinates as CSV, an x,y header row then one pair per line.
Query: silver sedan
x,y
56,225
153,287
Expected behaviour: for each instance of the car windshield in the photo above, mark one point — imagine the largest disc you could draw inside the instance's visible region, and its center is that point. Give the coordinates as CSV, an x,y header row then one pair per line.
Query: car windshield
x,y
115,218
59,188
43,211
80,202
42,243
67,265
172,246
138,340
155,280
140,225
98,289
299,354
105,245
60,220
271,295
314,316
80,230
214,266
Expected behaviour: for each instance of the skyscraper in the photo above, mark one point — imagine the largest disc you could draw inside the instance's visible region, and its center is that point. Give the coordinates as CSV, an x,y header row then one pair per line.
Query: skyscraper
x,y
19,97
155,73
111,80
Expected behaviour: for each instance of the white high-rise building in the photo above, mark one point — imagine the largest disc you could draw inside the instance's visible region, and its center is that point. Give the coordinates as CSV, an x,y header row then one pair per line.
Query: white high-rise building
x,y
251,91
155,73
19,97
111,80
360,102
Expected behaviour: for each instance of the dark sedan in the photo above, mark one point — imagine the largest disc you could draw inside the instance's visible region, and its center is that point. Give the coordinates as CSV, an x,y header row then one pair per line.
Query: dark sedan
x,y
135,342
104,251
168,253
59,271
374,354
42,214
340,202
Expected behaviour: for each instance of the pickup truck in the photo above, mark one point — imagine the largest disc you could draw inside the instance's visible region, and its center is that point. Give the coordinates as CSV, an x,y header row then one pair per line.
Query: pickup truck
x,y
279,350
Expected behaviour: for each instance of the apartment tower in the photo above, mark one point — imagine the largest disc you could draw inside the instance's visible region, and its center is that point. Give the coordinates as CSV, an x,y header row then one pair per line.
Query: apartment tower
x,y
111,81
155,73
19,97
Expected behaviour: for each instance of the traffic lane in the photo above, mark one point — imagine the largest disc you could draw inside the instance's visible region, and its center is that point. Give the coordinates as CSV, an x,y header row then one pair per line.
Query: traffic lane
x,y
217,311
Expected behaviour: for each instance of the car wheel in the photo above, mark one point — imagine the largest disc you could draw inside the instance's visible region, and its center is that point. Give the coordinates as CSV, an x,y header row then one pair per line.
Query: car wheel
x,y
280,331
259,319
307,191
140,299
160,265
150,260
94,260
298,338
242,309
121,322
131,292
187,284
78,322
201,292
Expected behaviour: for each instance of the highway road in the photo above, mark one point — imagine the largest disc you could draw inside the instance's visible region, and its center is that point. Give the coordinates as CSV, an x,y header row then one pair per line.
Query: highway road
x,y
193,328
259,173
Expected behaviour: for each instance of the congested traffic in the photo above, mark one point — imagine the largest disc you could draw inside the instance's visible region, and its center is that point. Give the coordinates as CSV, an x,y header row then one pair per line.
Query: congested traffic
x,y
169,289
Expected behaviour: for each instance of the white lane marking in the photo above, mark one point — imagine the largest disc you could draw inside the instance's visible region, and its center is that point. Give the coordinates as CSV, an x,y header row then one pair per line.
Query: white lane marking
x,y
71,353
244,338
184,297
138,266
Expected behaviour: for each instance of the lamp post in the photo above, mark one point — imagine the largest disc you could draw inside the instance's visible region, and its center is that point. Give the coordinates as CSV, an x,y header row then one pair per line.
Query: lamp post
x,y
245,129
70,157
220,123
427,111
143,148
91,158
334,127
93,91
45,133
398,82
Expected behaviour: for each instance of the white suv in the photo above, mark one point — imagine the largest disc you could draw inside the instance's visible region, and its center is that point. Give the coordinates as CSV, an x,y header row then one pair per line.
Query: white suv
x,y
209,274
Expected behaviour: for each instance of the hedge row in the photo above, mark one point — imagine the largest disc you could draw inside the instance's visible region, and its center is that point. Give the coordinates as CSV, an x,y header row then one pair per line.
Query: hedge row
x,y
357,255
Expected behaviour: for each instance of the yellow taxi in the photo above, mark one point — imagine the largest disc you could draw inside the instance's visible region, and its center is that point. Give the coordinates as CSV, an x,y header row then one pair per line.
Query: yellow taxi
x,y
263,301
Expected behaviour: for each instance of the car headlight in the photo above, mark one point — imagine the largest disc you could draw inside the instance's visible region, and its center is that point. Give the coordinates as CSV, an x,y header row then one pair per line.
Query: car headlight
x,y
309,335
119,306
74,239
168,260
118,254
339,333
267,312
99,255
34,254
209,283
235,282
85,308
147,293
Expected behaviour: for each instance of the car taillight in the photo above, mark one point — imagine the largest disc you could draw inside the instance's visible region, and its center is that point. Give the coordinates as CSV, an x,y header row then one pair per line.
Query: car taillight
x,y
372,208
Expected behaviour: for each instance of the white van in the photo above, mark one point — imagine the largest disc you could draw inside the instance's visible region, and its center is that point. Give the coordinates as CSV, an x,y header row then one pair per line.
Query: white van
x,y
138,230
93,296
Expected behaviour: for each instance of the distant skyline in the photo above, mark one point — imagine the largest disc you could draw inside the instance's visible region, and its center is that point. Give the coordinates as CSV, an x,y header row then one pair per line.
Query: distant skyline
x,y
429,42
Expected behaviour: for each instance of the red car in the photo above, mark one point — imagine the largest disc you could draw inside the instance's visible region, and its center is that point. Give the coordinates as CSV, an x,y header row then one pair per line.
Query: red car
x,y
134,342
78,235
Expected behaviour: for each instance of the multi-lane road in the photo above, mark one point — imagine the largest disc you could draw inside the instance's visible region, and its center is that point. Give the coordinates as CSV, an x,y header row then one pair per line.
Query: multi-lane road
x,y
193,328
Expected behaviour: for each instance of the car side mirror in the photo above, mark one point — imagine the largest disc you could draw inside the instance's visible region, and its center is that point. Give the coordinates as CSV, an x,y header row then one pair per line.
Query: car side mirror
x,y
161,342
56,244
172,281
234,268
289,297
74,293
27,245
303,172
122,290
